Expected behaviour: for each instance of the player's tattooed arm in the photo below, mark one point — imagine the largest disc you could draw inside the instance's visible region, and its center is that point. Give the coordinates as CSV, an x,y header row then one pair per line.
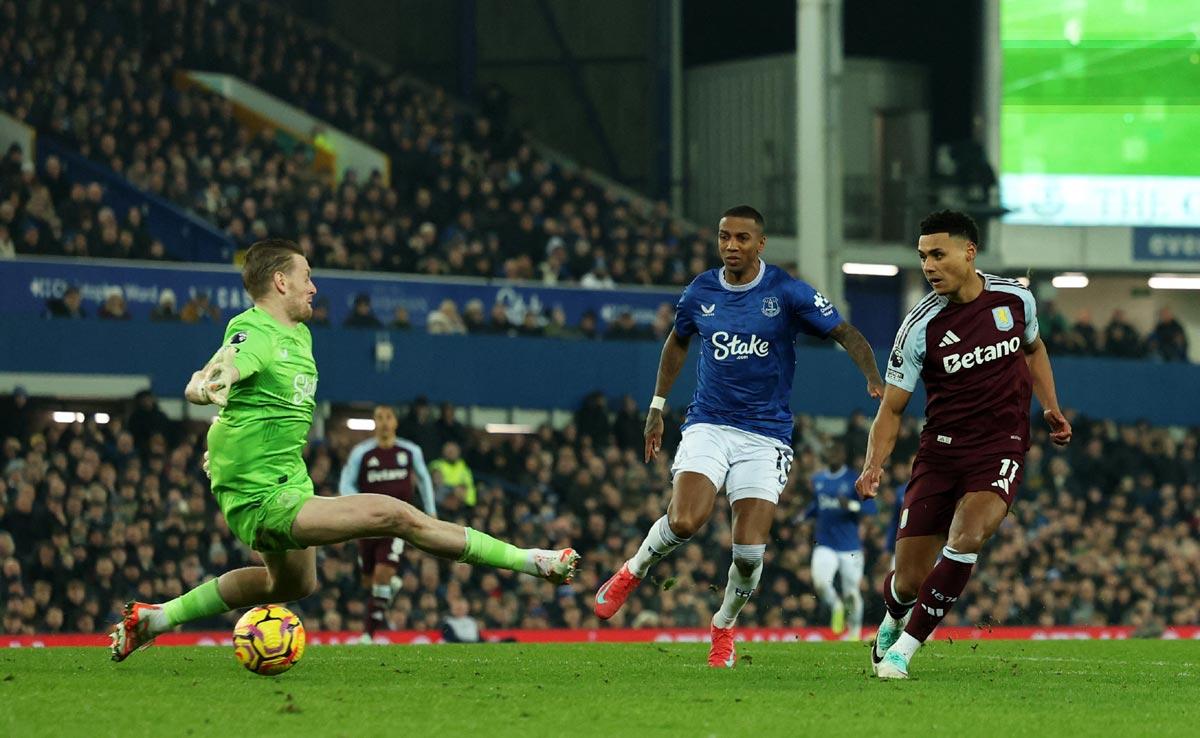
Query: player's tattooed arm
x,y
674,353
882,439
1038,360
860,352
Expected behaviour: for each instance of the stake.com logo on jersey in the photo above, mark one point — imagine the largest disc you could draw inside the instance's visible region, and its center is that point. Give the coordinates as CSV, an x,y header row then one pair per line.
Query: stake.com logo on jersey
x,y
981,355
725,345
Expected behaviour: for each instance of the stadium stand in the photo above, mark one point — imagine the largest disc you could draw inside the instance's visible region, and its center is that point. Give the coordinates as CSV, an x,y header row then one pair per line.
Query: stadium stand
x,y
469,195
1104,533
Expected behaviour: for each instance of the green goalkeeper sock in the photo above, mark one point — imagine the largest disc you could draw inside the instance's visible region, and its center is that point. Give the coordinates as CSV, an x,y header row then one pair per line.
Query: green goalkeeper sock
x,y
202,602
483,549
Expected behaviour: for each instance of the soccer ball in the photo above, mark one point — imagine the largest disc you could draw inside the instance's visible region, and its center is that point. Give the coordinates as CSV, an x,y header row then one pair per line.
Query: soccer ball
x,y
268,640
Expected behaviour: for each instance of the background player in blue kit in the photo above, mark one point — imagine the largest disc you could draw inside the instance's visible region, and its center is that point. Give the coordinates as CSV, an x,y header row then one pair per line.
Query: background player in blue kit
x,y
838,547
738,430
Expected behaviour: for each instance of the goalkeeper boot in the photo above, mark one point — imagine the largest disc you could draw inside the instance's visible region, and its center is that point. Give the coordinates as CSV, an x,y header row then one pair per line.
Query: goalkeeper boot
x,y
134,632
556,567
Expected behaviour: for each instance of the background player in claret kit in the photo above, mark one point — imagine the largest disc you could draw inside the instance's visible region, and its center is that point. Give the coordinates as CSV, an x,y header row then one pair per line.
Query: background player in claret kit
x,y
838,548
738,430
264,379
385,465
974,341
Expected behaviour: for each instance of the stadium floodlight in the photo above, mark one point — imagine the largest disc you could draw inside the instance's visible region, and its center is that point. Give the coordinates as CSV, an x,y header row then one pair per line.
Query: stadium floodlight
x,y
360,424
509,428
101,418
61,416
870,270
1070,280
1174,282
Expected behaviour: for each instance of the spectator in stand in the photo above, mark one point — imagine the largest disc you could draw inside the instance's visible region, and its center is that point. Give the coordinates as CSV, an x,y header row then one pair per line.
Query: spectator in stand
x,y
165,311
148,420
8,249
1081,339
361,315
1168,341
500,324
200,310
592,419
449,427
69,306
446,320
114,305
531,325
624,328
419,427
473,316
1053,326
455,475
1120,338
15,418
588,327
557,326
400,319
320,314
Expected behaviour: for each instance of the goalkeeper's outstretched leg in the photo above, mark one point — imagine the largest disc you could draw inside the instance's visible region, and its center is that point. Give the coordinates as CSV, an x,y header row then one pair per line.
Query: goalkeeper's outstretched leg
x,y
292,575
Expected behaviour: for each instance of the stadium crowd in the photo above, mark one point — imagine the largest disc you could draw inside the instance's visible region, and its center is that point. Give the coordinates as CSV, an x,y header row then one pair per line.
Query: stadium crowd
x,y
469,195
1104,533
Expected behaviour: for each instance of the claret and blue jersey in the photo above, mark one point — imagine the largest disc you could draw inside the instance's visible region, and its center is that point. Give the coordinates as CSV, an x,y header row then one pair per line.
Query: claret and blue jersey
x,y
748,353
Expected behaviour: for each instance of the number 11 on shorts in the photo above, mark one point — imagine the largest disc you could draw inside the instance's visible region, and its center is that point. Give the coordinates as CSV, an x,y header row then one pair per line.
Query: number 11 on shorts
x,y
1008,472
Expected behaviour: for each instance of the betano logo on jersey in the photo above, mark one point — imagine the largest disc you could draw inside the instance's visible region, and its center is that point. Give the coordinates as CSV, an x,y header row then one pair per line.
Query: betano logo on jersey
x,y
981,355
726,345
386,475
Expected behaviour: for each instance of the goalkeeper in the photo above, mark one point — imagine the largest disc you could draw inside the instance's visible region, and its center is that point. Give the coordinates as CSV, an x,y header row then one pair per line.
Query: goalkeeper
x,y
264,380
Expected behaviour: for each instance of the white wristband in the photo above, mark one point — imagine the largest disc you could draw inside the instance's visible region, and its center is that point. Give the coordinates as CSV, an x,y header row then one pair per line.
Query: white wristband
x,y
657,403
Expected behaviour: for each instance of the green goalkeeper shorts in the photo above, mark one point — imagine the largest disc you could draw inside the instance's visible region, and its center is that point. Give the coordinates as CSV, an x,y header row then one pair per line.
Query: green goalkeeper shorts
x,y
263,520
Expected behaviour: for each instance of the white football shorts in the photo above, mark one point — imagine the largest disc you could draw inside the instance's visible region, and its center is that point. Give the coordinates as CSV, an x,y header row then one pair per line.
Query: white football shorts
x,y
746,464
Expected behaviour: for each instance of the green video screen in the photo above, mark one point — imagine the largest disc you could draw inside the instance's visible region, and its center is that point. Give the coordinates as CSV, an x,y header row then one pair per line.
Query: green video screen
x,y
1100,112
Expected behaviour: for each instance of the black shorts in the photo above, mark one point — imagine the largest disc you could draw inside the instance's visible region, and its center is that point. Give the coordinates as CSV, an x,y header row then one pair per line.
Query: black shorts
x,y
939,482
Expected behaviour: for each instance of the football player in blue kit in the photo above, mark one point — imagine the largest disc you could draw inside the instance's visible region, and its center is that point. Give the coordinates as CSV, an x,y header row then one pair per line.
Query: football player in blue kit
x,y
838,548
738,431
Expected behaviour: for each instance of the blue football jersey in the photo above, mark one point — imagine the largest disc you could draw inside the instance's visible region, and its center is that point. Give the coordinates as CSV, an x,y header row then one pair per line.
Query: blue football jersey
x,y
748,350
837,527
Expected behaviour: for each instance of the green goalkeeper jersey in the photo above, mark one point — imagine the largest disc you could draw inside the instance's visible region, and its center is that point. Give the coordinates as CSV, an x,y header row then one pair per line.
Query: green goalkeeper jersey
x,y
258,439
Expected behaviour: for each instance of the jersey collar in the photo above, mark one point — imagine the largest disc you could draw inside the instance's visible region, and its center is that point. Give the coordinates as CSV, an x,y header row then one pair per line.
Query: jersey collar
x,y
762,269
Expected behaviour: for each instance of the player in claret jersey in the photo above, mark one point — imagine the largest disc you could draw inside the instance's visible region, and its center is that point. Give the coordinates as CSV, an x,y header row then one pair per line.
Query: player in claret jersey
x,y
738,431
385,465
974,341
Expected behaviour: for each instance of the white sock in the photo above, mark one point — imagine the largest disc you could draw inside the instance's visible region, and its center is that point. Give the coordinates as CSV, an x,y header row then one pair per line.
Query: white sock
x,y
660,541
906,646
740,587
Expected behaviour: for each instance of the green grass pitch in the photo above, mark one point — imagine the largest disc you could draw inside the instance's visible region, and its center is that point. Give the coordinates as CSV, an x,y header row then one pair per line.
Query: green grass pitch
x,y
1000,688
